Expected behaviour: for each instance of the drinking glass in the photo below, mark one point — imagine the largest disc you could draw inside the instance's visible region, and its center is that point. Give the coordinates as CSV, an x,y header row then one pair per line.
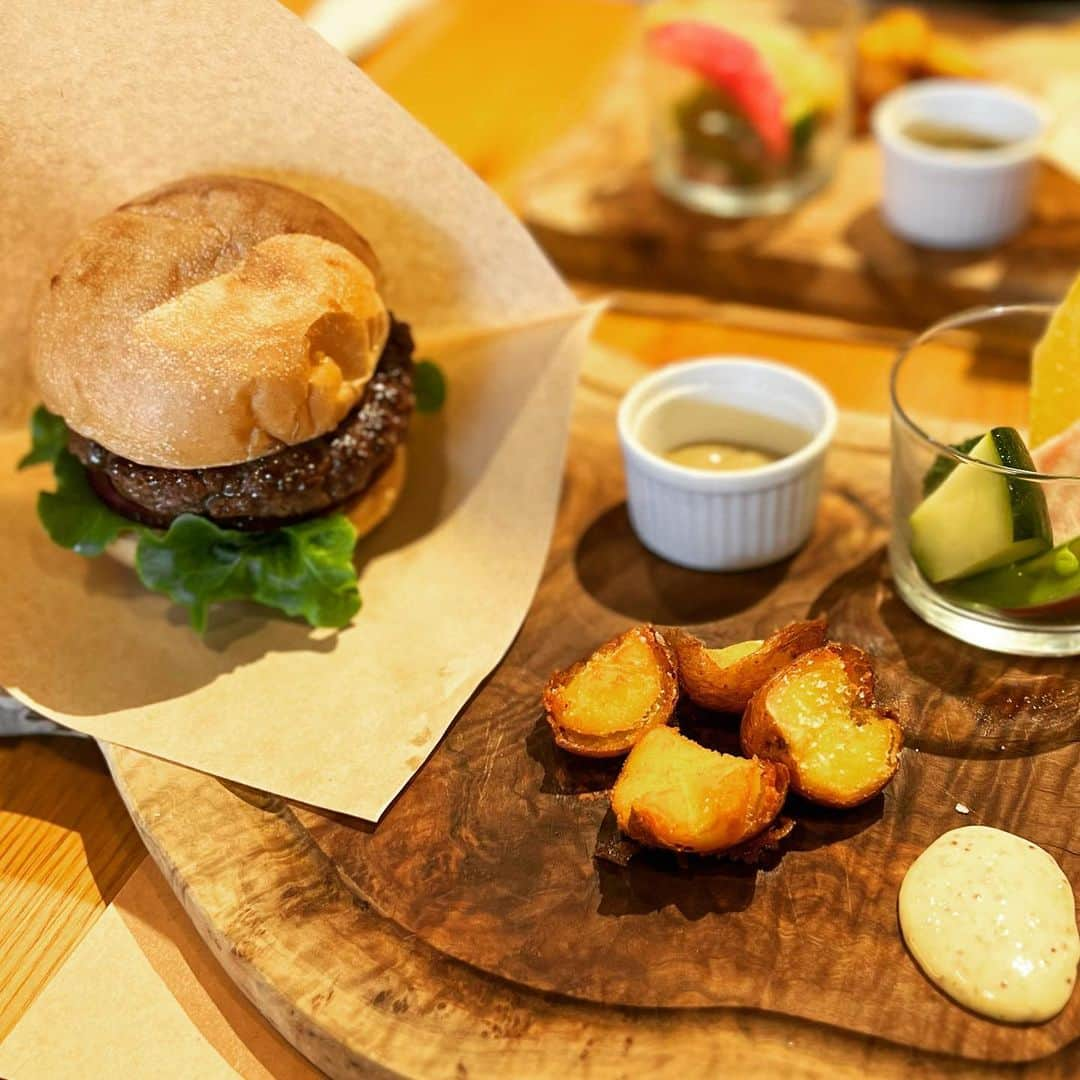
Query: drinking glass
x,y
1027,601
750,103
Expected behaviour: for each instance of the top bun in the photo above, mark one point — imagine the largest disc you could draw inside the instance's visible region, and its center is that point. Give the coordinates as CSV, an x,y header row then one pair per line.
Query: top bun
x,y
210,322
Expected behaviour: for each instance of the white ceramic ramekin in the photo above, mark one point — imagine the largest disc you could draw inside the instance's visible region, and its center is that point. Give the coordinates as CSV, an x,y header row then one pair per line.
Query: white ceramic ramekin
x,y
724,520
958,199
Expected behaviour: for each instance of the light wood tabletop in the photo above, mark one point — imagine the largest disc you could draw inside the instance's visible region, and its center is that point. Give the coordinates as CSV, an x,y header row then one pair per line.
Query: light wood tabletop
x,y
497,83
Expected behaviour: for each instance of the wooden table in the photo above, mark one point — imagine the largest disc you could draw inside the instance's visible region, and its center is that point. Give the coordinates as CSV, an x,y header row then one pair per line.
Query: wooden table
x,y
491,79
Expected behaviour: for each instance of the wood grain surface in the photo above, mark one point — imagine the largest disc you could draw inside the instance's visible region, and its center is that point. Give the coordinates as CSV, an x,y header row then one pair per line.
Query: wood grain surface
x,y
487,858
488,855
592,204
362,998
67,845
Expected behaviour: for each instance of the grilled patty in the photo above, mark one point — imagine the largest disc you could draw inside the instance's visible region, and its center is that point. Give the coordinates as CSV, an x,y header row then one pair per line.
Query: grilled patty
x,y
293,484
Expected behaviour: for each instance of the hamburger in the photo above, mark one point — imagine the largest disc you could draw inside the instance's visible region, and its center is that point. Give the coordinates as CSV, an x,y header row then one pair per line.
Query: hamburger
x,y
226,396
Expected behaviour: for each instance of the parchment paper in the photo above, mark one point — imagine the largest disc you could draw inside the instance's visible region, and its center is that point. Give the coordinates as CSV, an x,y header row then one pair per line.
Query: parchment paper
x,y
142,996
1041,59
101,100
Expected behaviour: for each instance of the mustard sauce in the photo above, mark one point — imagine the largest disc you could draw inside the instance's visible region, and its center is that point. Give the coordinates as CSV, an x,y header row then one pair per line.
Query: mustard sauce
x,y
991,920
950,137
719,456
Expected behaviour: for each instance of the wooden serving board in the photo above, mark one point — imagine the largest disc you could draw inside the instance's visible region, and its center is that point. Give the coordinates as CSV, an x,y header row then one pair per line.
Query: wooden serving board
x,y
473,931
591,203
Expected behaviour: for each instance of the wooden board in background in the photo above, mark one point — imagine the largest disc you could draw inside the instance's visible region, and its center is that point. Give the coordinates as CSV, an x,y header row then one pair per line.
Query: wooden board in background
x,y
591,203
472,927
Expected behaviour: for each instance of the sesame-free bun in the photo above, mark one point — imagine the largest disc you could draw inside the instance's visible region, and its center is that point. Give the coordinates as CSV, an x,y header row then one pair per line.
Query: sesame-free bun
x,y
366,512
210,322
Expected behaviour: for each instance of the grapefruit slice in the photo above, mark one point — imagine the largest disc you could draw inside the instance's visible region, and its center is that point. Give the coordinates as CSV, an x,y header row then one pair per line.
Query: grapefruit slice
x,y
1055,372
734,66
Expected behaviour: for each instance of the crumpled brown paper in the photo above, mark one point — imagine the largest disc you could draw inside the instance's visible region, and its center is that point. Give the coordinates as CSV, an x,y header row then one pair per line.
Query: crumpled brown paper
x,y
102,100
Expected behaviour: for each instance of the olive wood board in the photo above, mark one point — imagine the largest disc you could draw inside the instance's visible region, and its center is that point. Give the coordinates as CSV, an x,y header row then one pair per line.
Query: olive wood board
x,y
474,926
591,203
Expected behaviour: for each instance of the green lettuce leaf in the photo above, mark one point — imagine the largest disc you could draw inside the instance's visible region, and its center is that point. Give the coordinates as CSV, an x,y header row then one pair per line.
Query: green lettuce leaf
x,y
309,571
48,438
429,385
73,515
192,568
303,570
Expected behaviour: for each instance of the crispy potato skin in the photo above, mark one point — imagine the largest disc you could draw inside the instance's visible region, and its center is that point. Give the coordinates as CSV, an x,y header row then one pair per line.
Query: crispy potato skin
x,y
729,689
761,847
560,712
745,800
771,736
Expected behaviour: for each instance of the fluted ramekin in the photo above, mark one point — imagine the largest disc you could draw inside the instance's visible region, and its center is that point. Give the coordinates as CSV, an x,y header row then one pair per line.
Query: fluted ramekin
x,y
724,521
958,199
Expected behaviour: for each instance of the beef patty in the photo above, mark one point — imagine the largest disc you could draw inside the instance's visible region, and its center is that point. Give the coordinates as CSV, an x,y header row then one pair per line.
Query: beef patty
x,y
293,484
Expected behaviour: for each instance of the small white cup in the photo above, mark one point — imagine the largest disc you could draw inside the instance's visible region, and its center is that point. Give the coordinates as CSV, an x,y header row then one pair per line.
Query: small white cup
x,y
958,199
737,520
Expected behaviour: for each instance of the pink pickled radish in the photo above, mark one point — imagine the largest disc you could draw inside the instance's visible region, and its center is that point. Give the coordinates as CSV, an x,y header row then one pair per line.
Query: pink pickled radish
x,y
732,65
1061,456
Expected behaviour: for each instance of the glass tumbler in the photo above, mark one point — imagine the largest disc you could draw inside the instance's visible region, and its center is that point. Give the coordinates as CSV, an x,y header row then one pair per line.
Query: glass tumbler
x,y
984,545
750,103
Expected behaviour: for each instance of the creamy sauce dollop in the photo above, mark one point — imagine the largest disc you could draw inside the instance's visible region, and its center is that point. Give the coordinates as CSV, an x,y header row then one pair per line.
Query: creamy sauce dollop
x,y
991,920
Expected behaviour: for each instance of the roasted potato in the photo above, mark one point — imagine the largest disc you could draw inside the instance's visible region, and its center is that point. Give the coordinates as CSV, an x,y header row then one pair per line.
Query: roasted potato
x,y
900,45
602,705
818,718
673,793
901,35
725,679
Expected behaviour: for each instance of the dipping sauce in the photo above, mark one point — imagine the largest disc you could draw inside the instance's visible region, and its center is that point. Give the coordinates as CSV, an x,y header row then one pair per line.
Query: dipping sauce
x,y
991,920
719,457
949,137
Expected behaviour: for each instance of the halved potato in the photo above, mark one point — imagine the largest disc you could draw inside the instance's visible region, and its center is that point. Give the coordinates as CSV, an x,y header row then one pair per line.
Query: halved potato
x,y
674,793
818,718
725,679
601,706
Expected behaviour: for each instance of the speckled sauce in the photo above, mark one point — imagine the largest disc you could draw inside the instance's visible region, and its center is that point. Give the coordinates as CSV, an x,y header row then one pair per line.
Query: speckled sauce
x,y
991,919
